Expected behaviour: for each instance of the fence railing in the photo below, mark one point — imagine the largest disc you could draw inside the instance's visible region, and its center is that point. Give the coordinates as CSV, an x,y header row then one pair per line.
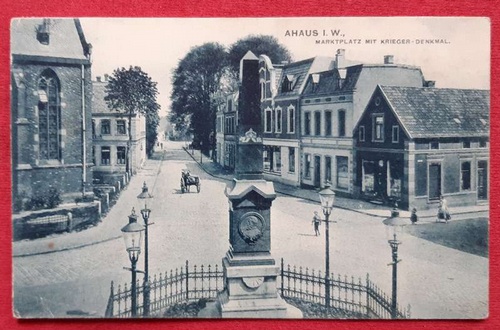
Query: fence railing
x,y
349,297
183,284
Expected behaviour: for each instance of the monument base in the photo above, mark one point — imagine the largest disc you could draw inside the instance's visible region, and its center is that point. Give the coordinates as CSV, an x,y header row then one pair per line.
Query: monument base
x,y
250,290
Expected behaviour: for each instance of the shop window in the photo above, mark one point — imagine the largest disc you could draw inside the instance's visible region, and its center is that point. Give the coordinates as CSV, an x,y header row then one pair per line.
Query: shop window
x,y
272,159
342,172
368,177
328,169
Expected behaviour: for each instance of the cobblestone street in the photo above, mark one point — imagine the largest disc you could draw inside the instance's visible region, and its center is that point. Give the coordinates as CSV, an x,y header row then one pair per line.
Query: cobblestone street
x,y
437,281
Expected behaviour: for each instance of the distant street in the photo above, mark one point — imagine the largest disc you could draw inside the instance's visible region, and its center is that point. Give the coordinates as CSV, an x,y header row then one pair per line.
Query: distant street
x,y
437,281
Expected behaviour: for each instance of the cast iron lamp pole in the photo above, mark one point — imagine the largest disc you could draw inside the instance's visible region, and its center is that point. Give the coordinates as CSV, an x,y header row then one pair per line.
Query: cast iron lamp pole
x,y
394,243
132,235
327,197
145,212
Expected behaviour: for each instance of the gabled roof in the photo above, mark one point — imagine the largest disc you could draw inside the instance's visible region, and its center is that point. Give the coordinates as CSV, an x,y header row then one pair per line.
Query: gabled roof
x,y
98,94
66,39
440,112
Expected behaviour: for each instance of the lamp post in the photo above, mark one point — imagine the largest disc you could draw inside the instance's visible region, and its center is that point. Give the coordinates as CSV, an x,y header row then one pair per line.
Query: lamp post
x,y
394,226
327,197
132,235
145,212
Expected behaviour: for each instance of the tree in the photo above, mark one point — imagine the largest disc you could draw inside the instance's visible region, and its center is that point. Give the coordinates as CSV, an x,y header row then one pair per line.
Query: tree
x,y
152,122
133,92
195,81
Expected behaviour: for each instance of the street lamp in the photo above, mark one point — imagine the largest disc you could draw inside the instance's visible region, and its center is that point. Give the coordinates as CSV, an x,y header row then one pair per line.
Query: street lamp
x,y
327,197
394,243
145,212
132,235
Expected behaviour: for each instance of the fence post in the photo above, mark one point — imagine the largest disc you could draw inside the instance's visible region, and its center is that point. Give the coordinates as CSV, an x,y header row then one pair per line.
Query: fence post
x,y
109,307
367,294
282,276
187,280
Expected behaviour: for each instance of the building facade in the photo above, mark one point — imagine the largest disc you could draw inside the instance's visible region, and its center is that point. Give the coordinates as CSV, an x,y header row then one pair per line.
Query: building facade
x,y
330,106
110,137
281,88
413,145
50,108
230,122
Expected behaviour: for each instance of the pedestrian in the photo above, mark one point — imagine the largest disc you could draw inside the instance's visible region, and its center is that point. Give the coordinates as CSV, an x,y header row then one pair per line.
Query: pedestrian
x,y
413,216
316,222
443,211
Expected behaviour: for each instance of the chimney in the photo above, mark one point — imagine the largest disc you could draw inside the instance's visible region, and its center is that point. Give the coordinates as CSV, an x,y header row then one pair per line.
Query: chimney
x,y
98,78
430,83
106,77
340,59
389,59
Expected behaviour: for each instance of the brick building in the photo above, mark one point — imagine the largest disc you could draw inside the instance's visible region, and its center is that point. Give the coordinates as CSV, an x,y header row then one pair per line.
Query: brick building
x,y
413,145
110,136
51,108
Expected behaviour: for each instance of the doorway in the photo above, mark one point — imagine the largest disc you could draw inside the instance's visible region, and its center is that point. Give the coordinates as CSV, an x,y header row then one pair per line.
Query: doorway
x,y
317,171
434,181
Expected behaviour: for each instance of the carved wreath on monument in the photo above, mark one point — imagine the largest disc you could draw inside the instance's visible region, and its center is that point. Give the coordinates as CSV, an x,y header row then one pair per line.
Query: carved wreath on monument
x,y
251,227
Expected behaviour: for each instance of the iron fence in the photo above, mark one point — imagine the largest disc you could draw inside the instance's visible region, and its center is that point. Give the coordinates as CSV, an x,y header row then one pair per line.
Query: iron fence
x,y
349,297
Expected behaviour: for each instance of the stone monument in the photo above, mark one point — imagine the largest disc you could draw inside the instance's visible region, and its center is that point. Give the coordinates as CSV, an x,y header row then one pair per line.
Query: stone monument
x,y
250,273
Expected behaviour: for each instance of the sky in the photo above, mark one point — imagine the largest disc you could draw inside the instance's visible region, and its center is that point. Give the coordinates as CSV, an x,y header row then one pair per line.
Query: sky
x,y
453,51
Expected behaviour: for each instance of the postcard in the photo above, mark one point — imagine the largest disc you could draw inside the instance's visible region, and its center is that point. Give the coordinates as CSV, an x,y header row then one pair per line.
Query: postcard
x,y
268,168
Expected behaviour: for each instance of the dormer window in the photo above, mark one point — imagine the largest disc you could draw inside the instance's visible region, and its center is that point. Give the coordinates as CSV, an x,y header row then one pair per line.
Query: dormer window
x,y
43,32
288,83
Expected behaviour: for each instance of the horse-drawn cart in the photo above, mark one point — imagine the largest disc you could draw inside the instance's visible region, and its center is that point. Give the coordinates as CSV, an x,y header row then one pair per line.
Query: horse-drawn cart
x,y
187,180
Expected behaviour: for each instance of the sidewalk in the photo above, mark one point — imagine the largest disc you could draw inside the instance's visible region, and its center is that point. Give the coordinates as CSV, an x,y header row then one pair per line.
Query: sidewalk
x,y
108,229
354,205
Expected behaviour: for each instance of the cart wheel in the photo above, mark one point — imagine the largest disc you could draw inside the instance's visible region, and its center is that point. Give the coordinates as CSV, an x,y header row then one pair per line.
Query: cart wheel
x,y
198,187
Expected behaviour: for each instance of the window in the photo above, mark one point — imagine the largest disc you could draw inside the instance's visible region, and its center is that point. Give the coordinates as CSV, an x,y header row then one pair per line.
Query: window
x,y
341,123
482,144
328,123
395,134
368,177
93,155
434,145
105,126
307,123
120,155
272,159
378,128
268,124
307,166
262,90
105,155
49,116
328,169
361,133
120,127
342,172
466,144
465,176
229,105
291,159
317,123
288,83
278,120
93,128
291,119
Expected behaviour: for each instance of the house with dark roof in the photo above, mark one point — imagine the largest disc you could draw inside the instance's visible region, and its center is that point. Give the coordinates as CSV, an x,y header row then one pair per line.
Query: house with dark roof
x,y
110,136
281,89
50,109
412,145
330,106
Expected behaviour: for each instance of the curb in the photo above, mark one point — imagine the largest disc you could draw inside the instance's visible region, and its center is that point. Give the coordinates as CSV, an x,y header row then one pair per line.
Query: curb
x,y
315,201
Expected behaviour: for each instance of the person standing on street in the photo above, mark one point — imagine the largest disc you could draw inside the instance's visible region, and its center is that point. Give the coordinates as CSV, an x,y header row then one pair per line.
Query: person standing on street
x,y
316,222
443,211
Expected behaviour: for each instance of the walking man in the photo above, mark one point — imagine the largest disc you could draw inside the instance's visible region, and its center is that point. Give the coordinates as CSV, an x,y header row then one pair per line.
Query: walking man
x,y
316,222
